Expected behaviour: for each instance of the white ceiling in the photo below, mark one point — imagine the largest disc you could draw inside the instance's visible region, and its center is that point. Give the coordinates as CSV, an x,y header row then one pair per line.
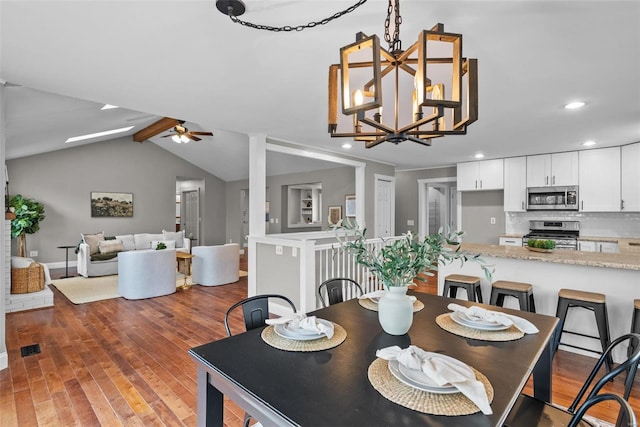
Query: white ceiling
x,y
186,60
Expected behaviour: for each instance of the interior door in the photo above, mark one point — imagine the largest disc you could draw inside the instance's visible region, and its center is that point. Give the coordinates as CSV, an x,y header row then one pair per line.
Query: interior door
x,y
190,217
437,208
385,206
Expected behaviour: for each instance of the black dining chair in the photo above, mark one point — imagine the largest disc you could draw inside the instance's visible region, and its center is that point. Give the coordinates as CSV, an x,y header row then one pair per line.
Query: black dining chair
x,y
529,412
626,410
255,311
336,289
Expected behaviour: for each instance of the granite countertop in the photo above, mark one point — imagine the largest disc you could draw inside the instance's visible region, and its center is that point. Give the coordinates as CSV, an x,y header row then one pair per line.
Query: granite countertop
x,y
593,259
599,239
512,236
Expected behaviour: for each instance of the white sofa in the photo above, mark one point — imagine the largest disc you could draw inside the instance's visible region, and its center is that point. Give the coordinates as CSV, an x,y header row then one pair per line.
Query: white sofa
x,y
89,264
215,265
146,273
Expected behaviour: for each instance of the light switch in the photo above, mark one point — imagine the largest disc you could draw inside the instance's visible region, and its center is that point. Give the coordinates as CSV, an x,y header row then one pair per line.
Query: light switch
x,y
493,220
279,250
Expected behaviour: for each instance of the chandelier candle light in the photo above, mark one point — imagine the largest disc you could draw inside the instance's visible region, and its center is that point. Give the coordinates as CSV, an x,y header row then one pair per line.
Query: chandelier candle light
x,y
434,89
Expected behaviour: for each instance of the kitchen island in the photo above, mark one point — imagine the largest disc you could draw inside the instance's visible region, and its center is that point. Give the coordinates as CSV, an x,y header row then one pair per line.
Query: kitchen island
x,y
613,274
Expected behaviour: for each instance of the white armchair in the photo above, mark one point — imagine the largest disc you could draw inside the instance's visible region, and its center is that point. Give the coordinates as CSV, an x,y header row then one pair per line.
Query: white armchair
x,y
215,265
146,273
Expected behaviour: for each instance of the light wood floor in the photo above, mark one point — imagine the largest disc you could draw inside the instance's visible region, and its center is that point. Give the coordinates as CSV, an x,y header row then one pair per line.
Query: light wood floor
x,y
120,362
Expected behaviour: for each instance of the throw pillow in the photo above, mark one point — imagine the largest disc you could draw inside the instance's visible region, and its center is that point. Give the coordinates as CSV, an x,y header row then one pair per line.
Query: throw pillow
x,y
110,246
177,236
128,241
170,244
92,240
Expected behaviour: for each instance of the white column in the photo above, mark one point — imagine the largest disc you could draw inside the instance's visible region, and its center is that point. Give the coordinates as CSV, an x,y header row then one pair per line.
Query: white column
x,y
257,200
4,359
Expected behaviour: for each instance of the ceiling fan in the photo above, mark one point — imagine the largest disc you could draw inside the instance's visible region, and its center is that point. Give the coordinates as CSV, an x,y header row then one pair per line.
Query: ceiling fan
x,y
181,134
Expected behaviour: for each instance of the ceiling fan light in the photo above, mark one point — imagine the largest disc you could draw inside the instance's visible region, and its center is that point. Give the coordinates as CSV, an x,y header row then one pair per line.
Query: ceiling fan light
x,y
176,138
184,138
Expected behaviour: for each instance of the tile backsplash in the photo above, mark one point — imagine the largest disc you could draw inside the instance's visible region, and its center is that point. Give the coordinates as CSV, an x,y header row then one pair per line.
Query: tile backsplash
x,y
592,224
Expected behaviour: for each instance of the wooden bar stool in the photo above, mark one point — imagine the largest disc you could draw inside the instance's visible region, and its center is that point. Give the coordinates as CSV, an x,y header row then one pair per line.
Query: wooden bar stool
x,y
522,291
597,303
470,283
635,324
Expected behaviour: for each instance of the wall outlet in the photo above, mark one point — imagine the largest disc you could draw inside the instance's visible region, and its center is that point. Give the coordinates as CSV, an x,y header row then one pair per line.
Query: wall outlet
x,y
33,253
294,252
271,220
493,220
278,250
410,222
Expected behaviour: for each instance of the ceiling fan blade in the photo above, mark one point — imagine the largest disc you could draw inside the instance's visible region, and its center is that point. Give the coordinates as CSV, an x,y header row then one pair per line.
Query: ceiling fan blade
x,y
165,136
202,133
193,138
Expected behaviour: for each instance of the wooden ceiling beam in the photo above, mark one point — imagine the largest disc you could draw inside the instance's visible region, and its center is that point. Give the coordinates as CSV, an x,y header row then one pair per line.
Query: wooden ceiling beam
x,y
154,129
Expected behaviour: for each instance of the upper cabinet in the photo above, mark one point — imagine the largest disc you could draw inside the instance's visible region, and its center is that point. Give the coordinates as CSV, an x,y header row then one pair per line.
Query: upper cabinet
x,y
481,175
630,178
600,180
515,184
553,169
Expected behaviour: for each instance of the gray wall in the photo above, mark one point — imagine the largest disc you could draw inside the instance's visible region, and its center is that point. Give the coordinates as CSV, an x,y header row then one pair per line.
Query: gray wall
x,y
336,183
407,195
63,180
478,207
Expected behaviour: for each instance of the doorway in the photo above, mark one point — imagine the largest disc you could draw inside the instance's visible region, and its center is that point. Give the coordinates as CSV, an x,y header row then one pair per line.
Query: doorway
x,y
385,203
190,218
437,205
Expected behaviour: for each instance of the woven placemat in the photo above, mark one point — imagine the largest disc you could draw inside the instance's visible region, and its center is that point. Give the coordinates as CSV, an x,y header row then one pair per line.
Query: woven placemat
x,y
446,323
370,305
274,340
396,391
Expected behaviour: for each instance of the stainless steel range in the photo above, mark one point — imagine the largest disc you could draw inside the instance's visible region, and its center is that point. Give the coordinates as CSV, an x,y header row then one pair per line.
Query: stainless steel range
x,y
564,233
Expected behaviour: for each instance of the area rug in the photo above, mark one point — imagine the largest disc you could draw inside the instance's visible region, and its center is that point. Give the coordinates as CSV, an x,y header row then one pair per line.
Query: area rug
x,y
81,290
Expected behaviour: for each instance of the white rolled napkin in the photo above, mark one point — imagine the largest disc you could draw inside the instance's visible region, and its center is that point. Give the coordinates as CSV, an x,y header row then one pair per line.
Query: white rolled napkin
x,y
374,294
496,317
300,320
441,371
380,294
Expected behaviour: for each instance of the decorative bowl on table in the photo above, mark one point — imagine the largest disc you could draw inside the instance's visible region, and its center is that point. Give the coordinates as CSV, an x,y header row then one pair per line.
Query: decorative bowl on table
x,y
540,249
541,245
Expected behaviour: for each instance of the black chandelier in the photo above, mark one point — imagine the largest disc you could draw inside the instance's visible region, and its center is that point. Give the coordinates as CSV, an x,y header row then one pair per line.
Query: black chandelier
x,y
431,89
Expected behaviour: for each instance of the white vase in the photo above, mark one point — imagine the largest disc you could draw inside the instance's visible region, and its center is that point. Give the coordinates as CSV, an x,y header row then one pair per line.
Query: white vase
x,y
395,311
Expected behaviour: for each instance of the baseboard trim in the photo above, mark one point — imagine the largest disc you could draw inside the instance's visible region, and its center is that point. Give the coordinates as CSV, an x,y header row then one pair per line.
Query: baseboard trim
x,y
60,264
4,361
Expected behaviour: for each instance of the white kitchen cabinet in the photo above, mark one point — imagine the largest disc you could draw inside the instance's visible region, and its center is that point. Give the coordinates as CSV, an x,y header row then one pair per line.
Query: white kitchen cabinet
x,y
515,184
600,180
510,241
553,169
591,246
630,190
481,175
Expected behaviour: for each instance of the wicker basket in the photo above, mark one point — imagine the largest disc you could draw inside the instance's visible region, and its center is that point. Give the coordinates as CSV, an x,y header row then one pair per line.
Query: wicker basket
x,y
25,280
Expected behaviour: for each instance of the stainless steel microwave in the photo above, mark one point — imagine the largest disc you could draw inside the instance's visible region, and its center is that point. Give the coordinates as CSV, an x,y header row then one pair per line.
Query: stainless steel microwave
x,y
552,198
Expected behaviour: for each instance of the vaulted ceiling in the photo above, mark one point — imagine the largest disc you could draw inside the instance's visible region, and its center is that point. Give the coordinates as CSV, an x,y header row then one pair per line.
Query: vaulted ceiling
x,y
184,59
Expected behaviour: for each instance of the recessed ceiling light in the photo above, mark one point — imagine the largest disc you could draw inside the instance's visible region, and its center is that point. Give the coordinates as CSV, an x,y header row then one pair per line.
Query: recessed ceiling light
x,y
479,156
109,107
97,134
589,143
574,105
346,145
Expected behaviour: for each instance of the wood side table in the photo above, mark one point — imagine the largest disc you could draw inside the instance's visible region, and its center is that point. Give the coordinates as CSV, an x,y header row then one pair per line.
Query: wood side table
x,y
186,259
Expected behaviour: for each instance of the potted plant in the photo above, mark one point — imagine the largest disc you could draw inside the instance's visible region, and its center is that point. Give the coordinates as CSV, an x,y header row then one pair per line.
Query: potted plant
x,y
29,213
399,263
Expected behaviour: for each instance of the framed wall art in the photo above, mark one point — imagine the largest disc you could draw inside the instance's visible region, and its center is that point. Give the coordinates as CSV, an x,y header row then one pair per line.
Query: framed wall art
x,y
111,204
335,214
350,206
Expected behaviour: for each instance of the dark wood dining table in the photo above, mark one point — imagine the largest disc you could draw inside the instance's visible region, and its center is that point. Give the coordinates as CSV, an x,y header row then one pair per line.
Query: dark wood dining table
x,y
331,387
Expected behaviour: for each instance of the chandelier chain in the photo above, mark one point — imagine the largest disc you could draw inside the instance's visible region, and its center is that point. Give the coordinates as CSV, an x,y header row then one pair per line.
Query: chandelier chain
x,y
287,28
395,45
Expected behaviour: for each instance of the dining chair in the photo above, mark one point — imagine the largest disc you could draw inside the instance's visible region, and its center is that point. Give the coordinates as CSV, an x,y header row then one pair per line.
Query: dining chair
x,y
336,289
529,412
255,310
625,409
